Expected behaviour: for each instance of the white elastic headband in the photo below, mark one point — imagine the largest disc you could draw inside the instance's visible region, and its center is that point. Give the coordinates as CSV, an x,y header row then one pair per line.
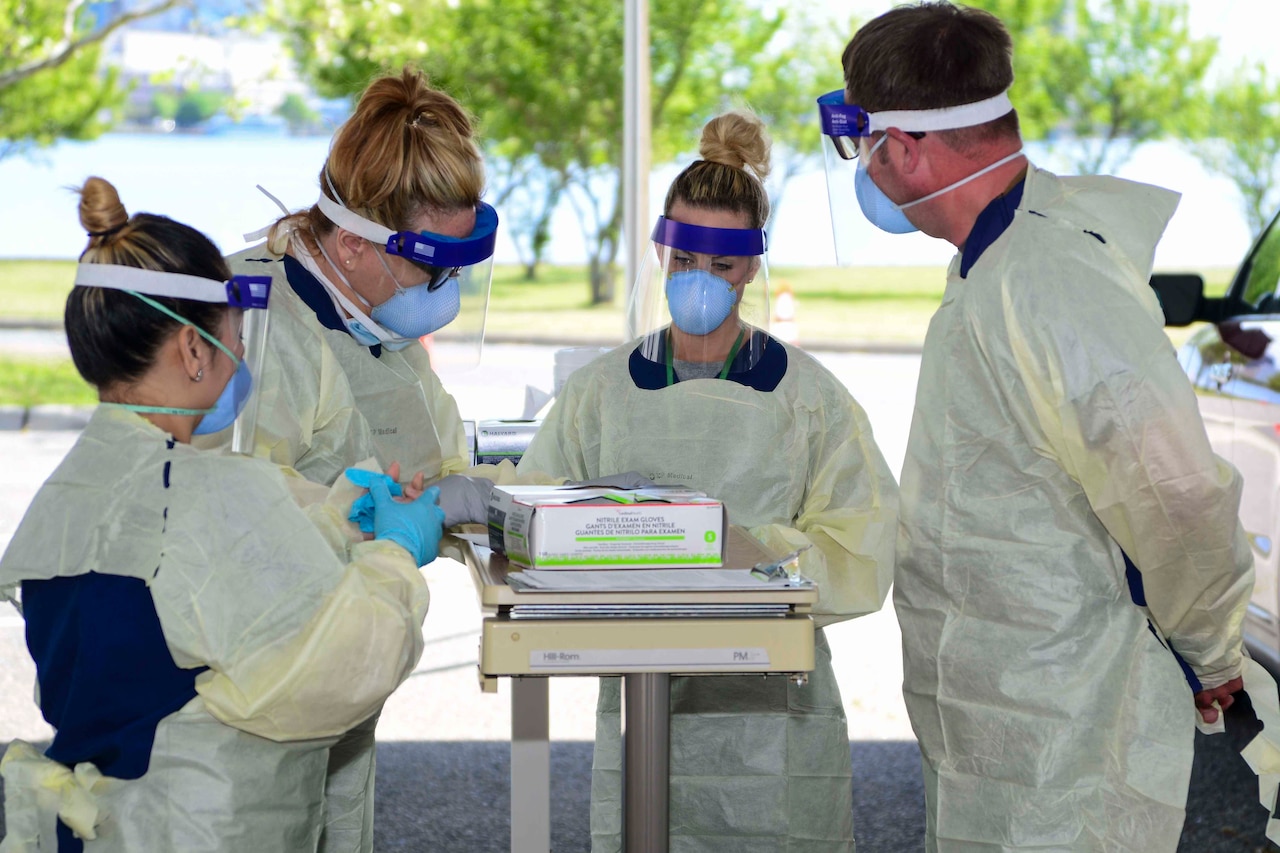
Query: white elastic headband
x,y
151,282
348,219
947,118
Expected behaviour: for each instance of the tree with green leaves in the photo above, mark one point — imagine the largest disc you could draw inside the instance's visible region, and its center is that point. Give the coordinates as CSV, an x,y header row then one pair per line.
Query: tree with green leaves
x,y
545,79
50,84
1243,141
1101,77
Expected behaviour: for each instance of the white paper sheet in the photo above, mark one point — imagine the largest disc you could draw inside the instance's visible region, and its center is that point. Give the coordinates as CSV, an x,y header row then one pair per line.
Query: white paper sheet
x,y
534,580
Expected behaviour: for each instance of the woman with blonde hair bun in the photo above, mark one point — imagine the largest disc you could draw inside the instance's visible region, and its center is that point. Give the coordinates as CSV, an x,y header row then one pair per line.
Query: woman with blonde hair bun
x,y
195,631
397,246
706,398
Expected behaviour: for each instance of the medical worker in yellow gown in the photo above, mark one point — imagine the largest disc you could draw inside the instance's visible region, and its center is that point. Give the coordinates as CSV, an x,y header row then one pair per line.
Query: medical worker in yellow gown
x,y
201,640
1066,528
707,399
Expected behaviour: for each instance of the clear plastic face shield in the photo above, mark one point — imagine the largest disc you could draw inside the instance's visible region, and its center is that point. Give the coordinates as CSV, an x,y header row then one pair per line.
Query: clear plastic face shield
x,y
853,197
702,295
237,407
444,281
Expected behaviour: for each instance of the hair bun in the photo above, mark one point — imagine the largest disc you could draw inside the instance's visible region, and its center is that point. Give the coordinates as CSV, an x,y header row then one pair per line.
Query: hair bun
x,y
738,139
101,212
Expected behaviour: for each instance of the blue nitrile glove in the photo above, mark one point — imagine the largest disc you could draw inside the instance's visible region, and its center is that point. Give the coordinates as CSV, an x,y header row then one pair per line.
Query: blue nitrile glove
x,y
416,526
362,507
628,480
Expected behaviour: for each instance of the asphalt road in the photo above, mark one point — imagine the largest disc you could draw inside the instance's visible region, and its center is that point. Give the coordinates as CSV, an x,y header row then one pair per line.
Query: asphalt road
x,y
443,761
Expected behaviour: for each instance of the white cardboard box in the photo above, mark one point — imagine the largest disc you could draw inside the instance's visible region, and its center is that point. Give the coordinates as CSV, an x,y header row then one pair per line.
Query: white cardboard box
x,y
564,527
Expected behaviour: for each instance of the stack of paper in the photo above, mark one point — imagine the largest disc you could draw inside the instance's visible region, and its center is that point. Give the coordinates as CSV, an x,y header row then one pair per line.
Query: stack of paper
x,y
663,580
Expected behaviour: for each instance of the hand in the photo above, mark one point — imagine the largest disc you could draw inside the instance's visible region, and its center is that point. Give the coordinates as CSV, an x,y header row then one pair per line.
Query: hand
x,y
362,507
465,500
1221,694
412,489
629,480
415,526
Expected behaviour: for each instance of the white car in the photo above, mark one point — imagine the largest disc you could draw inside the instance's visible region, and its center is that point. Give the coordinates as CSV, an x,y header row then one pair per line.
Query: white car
x,y
1234,363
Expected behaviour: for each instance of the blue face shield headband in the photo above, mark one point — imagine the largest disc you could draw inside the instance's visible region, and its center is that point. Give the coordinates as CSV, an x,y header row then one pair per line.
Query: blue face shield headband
x,y
844,124
242,291
438,255
697,299
847,124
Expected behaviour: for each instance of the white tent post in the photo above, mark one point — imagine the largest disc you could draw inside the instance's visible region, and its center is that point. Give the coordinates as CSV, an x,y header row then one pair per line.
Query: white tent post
x,y
635,141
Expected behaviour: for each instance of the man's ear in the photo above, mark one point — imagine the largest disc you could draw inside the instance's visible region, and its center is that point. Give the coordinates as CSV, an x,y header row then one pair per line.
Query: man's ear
x,y
910,149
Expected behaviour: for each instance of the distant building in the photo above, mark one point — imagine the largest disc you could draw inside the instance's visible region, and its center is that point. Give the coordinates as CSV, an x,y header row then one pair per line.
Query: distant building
x,y
256,72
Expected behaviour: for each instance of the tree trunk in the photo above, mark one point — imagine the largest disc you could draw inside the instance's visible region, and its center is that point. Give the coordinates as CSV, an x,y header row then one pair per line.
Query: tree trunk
x,y
603,270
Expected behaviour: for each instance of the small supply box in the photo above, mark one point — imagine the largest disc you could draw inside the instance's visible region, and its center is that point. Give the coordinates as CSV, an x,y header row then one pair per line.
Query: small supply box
x,y
570,527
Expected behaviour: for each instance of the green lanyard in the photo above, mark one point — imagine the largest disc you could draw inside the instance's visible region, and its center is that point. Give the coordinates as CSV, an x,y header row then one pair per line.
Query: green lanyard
x,y
724,371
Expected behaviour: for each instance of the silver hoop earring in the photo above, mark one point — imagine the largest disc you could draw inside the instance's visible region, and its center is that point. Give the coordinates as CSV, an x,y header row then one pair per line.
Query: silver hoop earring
x,y
200,374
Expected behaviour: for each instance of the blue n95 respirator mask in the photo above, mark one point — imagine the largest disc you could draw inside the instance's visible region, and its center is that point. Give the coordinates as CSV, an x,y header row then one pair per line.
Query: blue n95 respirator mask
x,y
699,301
452,290
883,213
845,125
697,291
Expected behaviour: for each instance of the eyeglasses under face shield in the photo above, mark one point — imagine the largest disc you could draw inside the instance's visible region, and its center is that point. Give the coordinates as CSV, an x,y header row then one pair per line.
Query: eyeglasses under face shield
x,y
466,262
849,126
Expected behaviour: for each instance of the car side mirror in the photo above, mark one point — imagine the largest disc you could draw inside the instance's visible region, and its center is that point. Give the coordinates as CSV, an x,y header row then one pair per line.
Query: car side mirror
x,y
1182,297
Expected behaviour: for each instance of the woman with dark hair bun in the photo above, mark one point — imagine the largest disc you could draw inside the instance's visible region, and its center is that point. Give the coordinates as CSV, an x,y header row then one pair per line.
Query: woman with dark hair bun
x,y
200,639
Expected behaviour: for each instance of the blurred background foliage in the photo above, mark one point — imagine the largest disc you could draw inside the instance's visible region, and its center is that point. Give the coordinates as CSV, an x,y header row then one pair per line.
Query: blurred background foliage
x,y
1094,79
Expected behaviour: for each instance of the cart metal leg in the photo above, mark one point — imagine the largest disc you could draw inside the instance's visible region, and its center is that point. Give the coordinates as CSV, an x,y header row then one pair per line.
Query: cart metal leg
x,y
530,767
647,753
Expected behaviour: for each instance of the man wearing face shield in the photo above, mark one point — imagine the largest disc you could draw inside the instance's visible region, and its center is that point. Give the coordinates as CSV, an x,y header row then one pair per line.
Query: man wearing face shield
x,y
1065,524
398,246
706,398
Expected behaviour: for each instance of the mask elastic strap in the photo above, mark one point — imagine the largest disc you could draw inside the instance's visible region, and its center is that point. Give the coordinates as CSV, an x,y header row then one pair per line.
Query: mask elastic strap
x,y
184,321
338,296
978,174
157,410
254,236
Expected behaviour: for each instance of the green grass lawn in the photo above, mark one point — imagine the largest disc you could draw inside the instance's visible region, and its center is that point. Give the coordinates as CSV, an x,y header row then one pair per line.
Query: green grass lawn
x,y
889,305
30,382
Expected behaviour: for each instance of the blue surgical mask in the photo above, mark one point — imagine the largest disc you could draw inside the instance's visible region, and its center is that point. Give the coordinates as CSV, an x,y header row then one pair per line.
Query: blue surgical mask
x,y
362,336
699,301
230,402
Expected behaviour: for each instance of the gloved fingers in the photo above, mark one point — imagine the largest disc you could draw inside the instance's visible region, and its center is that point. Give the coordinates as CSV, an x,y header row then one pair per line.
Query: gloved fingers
x,y
380,492
361,477
362,510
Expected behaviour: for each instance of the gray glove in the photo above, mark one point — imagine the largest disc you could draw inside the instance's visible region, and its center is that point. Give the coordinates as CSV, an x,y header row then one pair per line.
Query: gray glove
x,y
628,480
465,500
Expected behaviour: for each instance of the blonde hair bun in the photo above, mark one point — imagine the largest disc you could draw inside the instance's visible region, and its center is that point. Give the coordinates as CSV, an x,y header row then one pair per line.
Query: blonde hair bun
x,y
738,139
101,212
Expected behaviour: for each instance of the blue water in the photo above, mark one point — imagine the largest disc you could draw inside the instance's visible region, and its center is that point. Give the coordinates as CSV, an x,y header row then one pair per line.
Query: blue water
x,y
208,182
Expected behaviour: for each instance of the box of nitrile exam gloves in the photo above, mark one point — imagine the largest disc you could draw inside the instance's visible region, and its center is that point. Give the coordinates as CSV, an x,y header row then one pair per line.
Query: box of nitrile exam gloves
x,y
570,527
